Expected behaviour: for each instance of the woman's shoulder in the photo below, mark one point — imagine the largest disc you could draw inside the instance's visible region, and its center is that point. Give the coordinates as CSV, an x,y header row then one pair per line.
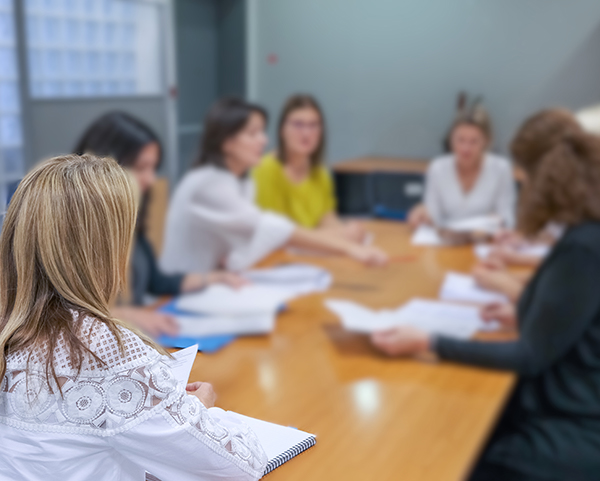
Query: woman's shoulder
x,y
203,182
585,235
269,166
105,351
205,174
441,163
127,351
117,386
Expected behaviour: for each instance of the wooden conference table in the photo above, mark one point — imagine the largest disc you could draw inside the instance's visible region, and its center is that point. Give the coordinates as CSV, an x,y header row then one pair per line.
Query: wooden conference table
x,y
375,418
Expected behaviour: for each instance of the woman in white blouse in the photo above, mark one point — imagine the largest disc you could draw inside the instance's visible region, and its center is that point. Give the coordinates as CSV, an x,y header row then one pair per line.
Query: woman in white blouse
x,y
81,395
470,182
213,221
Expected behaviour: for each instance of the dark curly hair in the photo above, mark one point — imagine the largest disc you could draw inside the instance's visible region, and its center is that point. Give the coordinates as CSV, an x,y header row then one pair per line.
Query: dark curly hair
x,y
562,163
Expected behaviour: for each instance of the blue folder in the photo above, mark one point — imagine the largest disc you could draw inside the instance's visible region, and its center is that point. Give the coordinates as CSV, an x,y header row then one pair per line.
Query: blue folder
x,y
385,213
205,344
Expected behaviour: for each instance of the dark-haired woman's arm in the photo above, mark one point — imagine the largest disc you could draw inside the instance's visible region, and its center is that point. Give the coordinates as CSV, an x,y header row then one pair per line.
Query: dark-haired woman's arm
x,y
565,303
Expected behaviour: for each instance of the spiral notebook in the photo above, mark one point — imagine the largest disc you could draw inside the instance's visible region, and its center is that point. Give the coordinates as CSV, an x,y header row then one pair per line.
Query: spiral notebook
x,y
281,443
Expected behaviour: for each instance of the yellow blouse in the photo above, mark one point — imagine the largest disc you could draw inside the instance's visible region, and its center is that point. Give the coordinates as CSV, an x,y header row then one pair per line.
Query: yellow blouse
x,y
306,203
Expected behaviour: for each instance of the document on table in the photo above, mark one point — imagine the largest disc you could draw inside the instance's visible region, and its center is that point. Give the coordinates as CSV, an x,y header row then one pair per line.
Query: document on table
x,y
426,235
463,288
194,326
299,279
223,300
482,251
268,291
182,363
490,224
433,317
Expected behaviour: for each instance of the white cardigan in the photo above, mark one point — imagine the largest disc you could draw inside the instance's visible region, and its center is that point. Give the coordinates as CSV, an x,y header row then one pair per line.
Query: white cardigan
x,y
493,192
115,421
213,222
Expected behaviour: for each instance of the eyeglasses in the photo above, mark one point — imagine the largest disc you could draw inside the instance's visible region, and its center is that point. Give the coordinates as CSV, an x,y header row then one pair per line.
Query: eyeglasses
x,y
300,125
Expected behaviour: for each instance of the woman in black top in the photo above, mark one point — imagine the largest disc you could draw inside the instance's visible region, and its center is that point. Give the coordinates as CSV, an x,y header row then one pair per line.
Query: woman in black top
x,y
136,147
550,429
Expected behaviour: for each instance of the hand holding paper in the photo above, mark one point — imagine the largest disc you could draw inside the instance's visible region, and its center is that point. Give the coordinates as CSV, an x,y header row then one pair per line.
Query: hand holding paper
x,y
463,288
431,317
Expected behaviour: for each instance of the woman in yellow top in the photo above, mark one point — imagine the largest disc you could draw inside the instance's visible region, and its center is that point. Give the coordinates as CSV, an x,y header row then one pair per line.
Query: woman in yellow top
x,y
293,181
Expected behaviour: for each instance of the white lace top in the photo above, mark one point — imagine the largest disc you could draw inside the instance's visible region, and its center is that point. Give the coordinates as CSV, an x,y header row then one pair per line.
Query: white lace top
x,y
116,421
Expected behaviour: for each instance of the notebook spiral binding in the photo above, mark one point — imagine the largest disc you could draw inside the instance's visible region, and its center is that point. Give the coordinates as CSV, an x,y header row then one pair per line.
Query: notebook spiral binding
x,y
289,454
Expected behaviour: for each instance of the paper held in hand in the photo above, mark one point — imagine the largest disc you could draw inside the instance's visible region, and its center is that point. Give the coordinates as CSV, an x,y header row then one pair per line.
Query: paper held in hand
x,y
463,288
432,317
483,251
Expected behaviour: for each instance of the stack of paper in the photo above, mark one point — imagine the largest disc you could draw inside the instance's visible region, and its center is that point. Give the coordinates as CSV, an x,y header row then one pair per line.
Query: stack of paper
x,y
197,326
482,251
268,290
299,279
430,316
463,288
222,300
221,310
251,309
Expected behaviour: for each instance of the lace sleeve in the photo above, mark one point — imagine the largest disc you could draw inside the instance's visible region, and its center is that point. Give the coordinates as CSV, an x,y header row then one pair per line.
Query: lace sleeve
x,y
234,441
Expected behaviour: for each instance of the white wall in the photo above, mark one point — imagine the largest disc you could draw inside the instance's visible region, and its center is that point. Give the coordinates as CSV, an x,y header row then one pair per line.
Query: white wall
x,y
387,71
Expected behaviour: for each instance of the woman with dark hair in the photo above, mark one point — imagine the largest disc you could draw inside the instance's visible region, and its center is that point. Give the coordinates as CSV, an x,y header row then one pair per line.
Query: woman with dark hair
x,y
137,148
294,181
213,221
470,181
550,429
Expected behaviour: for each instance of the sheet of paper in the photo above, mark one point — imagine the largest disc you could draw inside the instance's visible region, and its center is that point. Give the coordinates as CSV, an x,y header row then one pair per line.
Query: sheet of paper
x,y
227,301
490,224
299,279
443,318
426,235
433,317
182,363
482,251
358,318
204,326
463,288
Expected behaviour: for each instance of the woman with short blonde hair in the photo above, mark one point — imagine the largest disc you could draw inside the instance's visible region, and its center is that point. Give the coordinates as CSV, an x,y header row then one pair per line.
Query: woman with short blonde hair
x,y
470,181
82,396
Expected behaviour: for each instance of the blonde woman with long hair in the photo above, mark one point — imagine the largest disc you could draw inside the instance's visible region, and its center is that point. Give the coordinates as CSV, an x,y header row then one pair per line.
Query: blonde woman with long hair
x,y
82,396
